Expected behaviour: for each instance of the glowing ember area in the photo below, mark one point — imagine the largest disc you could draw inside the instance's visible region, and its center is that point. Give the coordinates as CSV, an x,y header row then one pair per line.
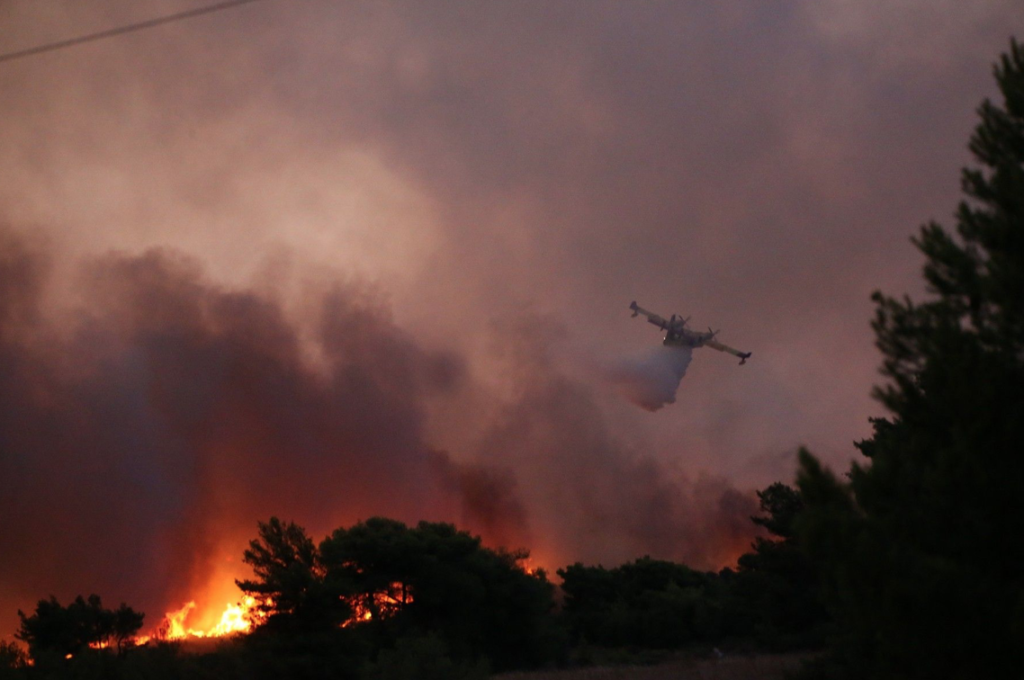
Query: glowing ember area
x,y
381,604
240,617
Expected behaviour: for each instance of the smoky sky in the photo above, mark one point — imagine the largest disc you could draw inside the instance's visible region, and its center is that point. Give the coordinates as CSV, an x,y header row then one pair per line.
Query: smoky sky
x,y
384,245
144,430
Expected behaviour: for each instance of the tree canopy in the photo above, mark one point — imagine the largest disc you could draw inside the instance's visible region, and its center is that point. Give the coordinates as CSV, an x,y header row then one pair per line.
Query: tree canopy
x,y
921,547
645,603
289,583
776,582
390,581
58,631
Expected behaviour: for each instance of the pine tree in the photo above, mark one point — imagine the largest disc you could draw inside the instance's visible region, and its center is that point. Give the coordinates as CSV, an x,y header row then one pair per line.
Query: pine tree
x,y
923,548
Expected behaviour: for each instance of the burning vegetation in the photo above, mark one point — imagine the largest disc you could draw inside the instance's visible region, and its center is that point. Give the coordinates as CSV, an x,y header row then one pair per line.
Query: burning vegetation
x,y
380,575
916,553
160,412
380,588
146,435
239,617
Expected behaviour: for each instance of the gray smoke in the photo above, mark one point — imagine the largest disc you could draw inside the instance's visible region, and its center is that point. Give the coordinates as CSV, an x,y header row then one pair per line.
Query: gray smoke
x,y
650,379
591,493
147,425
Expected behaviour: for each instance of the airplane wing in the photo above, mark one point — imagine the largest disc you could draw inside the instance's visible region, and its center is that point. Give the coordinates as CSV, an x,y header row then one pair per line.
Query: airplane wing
x,y
714,344
656,319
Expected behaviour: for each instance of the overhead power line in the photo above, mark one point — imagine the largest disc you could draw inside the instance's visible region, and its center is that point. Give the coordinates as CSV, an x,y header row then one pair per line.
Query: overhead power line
x,y
120,30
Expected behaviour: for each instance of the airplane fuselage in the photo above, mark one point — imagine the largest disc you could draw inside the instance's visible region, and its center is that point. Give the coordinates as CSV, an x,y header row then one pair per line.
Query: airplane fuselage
x,y
686,338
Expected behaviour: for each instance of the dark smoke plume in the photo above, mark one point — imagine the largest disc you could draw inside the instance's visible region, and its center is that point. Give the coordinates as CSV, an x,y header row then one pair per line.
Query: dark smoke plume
x,y
489,500
168,415
597,497
144,432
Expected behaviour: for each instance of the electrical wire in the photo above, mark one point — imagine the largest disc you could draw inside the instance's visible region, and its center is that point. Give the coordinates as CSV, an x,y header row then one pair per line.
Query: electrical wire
x,y
121,30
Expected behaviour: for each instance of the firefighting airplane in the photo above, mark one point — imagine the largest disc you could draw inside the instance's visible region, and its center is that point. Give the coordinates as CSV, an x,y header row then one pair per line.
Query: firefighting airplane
x,y
677,335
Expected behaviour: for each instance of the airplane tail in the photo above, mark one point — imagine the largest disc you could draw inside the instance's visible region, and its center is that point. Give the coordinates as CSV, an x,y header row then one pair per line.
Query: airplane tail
x,y
634,308
744,356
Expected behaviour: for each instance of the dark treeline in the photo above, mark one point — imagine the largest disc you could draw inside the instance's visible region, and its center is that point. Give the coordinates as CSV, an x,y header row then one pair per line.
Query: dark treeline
x,y
384,600
907,567
57,631
769,602
920,547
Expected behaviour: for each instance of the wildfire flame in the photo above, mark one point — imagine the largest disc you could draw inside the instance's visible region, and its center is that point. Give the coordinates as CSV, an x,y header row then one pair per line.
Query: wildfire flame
x,y
381,604
239,617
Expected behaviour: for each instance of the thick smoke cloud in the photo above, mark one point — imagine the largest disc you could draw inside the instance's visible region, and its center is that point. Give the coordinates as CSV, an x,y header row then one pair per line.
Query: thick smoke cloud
x,y
466,169
736,162
169,415
144,431
599,497
488,500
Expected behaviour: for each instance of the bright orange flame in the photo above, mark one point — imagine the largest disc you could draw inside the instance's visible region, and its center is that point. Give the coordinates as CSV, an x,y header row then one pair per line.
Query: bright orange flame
x,y
239,617
175,622
242,617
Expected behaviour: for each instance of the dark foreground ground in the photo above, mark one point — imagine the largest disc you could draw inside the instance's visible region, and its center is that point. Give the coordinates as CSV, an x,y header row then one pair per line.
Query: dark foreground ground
x,y
759,667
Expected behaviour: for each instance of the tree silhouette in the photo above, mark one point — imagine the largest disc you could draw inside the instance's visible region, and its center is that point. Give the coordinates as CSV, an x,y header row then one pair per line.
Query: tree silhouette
x,y
921,549
781,505
433,578
777,581
126,624
381,581
12,658
646,603
289,578
57,631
